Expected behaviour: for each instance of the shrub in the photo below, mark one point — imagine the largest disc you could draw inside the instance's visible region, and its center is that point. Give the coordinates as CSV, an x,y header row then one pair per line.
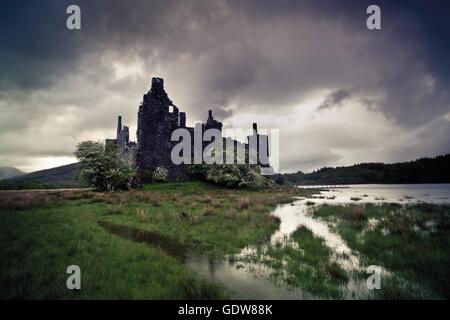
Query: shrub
x,y
135,182
230,175
254,179
158,174
225,175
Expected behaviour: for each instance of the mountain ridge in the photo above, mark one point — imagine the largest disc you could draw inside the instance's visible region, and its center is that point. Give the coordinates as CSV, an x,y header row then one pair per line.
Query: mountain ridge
x,y
10,172
57,177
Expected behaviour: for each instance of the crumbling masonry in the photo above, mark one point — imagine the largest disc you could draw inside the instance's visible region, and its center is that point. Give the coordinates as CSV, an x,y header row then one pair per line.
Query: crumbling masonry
x,y
158,117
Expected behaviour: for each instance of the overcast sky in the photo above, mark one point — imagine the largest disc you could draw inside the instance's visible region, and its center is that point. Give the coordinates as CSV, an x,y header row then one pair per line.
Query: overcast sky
x,y
339,93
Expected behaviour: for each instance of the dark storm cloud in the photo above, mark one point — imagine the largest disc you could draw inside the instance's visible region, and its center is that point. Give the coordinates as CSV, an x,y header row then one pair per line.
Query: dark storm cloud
x,y
336,98
253,50
265,57
37,48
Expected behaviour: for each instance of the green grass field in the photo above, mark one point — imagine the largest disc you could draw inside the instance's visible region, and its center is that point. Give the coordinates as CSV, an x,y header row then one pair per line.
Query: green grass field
x,y
42,233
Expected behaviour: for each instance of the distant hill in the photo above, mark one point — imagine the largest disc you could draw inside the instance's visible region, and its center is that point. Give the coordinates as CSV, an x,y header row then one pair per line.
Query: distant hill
x,y
9,172
425,170
59,177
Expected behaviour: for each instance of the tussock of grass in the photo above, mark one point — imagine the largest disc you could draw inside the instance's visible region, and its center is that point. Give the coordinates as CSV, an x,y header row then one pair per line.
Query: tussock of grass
x,y
193,289
115,209
396,224
355,214
243,203
99,197
206,199
231,213
335,271
146,197
208,211
141,215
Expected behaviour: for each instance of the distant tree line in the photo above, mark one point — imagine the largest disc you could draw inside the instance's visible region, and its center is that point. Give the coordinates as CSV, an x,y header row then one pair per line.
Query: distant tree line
x,y
425,170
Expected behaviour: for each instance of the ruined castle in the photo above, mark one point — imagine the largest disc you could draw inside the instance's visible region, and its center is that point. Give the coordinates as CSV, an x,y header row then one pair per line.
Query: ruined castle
x,y
158,117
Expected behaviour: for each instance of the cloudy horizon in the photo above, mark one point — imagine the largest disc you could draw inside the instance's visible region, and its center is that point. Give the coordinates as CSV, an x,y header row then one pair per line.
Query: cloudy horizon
x,y
339,93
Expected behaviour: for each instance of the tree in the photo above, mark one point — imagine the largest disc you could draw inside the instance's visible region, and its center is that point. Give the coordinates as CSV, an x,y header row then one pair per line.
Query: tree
x,y
101,166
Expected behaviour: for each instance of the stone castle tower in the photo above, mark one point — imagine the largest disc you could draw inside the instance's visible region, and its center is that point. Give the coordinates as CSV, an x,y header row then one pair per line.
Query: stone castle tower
x,y
157,118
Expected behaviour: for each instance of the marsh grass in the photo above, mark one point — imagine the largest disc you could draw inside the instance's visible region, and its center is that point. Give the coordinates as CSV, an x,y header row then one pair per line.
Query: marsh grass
x,y
206,199
208,211
336,272
304,262
243,203
43,242
231,213
141,215
24,200
355,214
115,209
193,289
411,241
43,232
